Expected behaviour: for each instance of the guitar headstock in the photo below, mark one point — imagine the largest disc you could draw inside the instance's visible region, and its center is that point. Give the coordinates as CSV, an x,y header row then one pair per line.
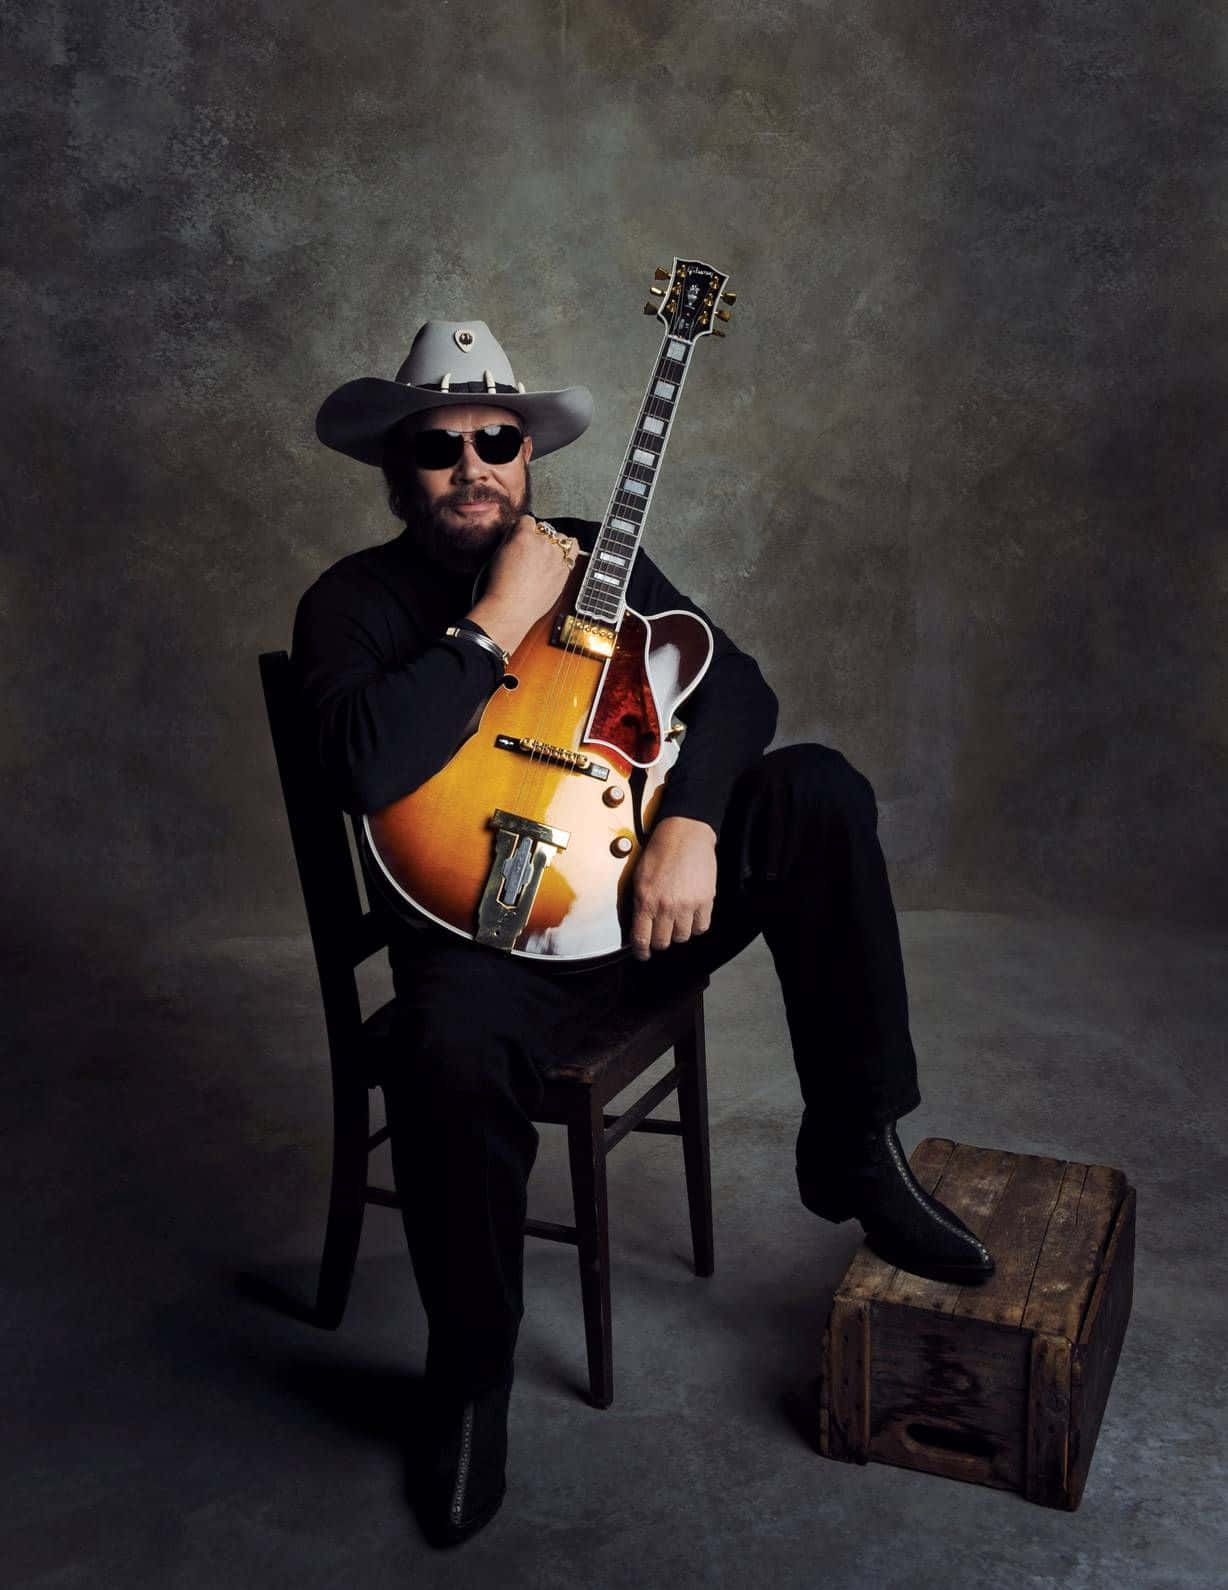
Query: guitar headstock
x,y
688,307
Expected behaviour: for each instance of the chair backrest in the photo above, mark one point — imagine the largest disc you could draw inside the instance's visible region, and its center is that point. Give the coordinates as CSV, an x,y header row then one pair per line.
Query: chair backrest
x,y
343,933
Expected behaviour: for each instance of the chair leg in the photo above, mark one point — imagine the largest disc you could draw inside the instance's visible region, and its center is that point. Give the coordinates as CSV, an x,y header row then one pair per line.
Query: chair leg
x,y
691,1056
586,1150
347,1200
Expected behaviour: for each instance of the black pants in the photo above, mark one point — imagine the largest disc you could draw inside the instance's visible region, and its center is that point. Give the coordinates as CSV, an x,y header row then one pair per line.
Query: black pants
x,y
798,861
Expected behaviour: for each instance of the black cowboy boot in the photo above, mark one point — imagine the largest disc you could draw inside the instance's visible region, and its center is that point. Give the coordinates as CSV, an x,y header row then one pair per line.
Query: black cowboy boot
x,y
873,1182
461,1475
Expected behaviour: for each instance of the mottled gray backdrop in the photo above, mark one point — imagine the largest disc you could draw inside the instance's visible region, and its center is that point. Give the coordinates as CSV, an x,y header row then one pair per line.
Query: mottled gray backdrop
x,y
955,476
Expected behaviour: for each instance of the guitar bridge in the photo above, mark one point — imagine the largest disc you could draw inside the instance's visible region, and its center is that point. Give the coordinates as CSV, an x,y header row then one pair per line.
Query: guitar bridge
x,y
560,756
523,851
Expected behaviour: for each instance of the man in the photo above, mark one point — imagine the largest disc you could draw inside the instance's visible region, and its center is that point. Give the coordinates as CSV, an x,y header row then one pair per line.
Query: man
x,y
396,654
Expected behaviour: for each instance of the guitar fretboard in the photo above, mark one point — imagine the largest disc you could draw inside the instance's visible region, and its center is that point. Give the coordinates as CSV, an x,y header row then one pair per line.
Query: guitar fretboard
x,y
603,591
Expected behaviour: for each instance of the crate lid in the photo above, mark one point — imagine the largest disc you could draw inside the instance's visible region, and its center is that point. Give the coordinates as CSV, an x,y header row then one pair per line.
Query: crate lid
x,y
1046,1221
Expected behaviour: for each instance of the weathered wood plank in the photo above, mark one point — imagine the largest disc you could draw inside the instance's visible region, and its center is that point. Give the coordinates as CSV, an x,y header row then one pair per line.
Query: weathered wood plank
x,y
1014,1235
1099,1347
930,1159
848,1391
825,1378
1048,1445
1073,1250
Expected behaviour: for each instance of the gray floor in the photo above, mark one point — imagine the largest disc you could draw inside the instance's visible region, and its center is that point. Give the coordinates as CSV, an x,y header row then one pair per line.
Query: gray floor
x,y
171,1127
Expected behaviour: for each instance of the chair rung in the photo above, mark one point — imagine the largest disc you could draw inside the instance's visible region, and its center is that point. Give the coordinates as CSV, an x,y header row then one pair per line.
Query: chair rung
x,y
381,1195
644,1105
551,1231
672,1128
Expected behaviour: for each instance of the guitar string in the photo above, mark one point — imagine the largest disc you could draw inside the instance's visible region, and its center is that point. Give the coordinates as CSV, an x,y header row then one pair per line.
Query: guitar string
x,y
534,769
532,781
534,776
536,761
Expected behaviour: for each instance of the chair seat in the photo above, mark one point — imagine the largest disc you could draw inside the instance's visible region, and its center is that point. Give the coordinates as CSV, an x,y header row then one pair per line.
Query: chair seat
x,y
647,1021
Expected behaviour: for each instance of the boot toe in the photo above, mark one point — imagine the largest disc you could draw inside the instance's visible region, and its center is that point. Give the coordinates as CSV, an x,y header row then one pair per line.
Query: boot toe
x,y
461,1471
966,1263
905,1225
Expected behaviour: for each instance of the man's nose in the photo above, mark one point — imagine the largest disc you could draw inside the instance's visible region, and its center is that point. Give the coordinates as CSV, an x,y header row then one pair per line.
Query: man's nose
x,y
469,466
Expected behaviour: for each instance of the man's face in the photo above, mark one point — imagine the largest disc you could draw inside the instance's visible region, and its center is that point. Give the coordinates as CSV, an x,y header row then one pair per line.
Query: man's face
x,y
465,511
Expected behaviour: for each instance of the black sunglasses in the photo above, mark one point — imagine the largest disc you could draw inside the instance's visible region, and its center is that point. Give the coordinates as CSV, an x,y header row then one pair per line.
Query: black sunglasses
x,y
494,444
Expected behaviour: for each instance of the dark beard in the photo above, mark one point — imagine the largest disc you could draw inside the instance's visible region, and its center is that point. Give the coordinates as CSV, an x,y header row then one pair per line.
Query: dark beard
x,y
454,546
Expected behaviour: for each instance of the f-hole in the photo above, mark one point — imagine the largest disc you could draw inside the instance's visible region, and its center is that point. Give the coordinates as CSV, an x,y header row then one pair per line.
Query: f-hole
x,y
636,780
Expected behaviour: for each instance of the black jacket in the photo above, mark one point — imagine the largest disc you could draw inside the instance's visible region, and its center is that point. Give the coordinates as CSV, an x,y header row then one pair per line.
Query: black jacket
x,y
390,695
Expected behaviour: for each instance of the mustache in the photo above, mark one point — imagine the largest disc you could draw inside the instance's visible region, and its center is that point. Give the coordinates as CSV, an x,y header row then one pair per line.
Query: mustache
x,y
464,494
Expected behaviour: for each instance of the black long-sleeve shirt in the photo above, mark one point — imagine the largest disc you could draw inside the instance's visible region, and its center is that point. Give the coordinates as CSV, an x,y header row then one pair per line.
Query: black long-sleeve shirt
x,y
390,695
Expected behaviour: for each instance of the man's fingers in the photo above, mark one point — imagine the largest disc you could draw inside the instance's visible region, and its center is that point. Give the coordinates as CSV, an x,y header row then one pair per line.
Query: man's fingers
x,y
658,928
653,930
641,934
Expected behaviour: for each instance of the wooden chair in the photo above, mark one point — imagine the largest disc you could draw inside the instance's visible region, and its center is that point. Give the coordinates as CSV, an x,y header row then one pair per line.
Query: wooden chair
x,y
344,935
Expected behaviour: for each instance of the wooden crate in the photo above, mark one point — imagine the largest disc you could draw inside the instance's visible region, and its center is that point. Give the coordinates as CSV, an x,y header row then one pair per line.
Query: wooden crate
x,y
1002,1384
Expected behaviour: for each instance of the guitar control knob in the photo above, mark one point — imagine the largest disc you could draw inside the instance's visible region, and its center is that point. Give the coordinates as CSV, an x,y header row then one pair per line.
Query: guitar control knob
x,y
614,796
620,846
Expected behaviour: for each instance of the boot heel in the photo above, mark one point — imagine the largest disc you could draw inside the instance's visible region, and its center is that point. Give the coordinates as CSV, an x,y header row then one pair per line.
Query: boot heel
x,y
831,1207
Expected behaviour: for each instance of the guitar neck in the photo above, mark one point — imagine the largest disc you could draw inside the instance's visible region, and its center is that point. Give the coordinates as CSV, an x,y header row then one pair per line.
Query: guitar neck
x,y
603,592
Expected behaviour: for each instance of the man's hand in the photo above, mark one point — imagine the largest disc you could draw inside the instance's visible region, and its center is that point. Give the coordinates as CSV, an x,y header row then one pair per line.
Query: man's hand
x,y
673,886
527,576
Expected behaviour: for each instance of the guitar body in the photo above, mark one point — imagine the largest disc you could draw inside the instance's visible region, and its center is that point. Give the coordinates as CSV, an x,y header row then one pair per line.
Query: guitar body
x,y
531,847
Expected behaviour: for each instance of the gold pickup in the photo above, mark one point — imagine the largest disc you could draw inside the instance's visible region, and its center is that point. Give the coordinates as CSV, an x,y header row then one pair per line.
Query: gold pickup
x,y
585,634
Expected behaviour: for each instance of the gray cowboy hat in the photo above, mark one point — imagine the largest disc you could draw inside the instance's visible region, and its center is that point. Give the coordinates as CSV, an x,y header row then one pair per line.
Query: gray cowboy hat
x,y
451,362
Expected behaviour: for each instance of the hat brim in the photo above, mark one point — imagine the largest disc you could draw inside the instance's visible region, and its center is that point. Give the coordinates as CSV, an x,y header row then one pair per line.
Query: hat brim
x,y
357,416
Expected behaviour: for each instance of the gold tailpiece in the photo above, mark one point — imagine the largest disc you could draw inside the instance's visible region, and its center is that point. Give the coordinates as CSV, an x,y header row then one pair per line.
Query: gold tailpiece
x,y
523,851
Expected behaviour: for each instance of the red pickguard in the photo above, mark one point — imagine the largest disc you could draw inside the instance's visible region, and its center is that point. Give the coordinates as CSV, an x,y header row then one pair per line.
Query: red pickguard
x,y
626,715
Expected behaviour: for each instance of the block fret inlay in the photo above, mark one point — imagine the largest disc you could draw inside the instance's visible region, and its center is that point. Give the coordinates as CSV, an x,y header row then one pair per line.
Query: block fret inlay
x,y
602,592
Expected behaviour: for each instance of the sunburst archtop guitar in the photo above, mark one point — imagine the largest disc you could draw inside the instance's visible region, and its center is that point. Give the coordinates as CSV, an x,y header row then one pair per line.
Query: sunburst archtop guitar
x,y
527,838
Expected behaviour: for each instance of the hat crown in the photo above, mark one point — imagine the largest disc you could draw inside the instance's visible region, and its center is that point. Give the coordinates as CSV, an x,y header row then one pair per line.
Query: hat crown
x,y
462,350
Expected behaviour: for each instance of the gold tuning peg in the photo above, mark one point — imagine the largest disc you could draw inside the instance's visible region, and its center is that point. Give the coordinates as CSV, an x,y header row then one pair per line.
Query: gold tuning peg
x,y
723,314
661,276
658,292
729,298
651,308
